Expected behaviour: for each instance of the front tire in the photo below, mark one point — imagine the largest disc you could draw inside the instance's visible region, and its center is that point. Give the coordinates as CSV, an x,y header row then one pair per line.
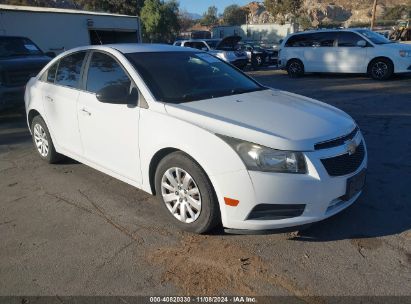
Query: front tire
x,y
295,68
42,141
381,69
186,193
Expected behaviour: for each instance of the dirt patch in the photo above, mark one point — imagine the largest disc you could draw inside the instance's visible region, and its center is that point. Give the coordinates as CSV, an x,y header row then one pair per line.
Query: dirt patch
x,y
208,265
366,244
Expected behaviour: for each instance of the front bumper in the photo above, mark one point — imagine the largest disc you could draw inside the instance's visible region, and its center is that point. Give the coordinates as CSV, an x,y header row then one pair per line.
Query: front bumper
x,y
320,193
11,97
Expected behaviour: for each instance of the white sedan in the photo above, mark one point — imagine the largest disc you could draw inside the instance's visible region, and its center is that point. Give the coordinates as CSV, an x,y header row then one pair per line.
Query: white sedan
x,y
214,145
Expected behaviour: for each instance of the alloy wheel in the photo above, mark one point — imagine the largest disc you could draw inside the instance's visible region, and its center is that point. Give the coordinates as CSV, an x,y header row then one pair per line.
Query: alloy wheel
x,y
295,68
40,139
379,70
181,195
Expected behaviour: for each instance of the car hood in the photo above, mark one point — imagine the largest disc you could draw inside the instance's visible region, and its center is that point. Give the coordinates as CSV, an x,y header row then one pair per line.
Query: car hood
x,y
273,118
228,42
397,46
24,63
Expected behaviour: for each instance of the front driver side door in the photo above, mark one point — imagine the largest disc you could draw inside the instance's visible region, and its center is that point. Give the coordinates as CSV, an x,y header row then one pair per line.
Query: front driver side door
x,y
109,132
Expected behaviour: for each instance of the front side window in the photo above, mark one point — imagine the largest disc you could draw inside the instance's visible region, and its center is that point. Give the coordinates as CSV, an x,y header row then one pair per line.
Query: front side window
x,y
199,76
348,39
103,71
69,70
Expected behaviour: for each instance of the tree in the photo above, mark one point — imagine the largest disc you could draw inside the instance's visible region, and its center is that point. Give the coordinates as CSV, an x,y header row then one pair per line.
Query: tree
x,y
234,15
160,20
283,7
185,20
210,17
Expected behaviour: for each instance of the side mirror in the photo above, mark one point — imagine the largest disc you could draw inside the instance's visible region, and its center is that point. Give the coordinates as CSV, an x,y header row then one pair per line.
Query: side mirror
x,y
362,43
50,54
118,94
204,49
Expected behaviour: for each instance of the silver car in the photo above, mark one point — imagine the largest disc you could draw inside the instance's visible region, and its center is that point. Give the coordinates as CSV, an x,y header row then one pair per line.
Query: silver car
x,y
225,49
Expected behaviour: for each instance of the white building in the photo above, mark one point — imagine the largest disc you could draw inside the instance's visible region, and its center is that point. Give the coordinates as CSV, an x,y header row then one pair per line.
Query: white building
x,y
56,30
271,32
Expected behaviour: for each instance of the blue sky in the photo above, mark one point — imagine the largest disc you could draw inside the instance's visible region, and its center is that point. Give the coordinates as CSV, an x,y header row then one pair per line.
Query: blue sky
x,y
200,6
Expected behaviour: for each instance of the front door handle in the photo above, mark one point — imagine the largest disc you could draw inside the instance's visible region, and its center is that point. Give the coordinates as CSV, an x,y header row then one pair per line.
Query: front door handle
x,y
48,98
85,111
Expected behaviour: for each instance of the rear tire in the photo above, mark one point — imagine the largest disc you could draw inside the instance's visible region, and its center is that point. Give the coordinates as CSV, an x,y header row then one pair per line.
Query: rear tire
x,y
380,69
186,193
42,141
295,68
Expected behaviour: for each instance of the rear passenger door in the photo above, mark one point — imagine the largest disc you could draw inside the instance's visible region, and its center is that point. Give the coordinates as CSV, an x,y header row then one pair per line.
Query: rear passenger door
x,y
61,92
350,57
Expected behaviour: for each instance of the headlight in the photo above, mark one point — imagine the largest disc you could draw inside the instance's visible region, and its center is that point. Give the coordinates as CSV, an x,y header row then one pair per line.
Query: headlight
x,y
405,53
260,158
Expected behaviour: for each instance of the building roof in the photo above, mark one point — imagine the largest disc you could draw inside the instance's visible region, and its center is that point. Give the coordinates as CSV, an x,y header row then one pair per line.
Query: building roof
x,y
57,10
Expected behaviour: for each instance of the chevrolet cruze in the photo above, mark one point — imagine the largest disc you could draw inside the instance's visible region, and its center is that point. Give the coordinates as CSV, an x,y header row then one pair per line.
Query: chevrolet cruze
x,y
214,145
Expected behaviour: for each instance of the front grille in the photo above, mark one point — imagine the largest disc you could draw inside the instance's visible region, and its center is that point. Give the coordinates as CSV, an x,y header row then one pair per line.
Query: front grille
x,y
19,77
336,142
275,211
344,164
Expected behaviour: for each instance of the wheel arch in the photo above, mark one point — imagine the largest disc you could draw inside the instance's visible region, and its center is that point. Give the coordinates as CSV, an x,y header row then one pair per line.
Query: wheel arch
x,y
294,58
155,160
379,57
32,113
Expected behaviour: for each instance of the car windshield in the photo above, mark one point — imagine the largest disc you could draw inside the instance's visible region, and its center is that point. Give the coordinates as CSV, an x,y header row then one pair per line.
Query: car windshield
x,y
17,46
178,77
374,37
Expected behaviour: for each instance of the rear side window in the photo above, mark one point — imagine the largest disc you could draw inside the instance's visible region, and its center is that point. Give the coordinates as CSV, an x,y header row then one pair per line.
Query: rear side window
x,y
304,40
103,71
348,39
69,69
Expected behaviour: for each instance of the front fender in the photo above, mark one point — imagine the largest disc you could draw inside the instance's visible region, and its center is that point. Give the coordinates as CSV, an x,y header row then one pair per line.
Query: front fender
x,y
221,163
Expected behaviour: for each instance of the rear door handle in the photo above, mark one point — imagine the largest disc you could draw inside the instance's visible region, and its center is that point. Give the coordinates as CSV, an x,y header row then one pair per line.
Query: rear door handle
x,y
85,111
48,98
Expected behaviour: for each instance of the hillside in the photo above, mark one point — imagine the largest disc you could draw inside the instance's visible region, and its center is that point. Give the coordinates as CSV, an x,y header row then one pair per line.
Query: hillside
x,y
323,11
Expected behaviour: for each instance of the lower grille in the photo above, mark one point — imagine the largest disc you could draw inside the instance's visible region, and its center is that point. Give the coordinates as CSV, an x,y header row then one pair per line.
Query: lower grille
x,y
346,163
275,211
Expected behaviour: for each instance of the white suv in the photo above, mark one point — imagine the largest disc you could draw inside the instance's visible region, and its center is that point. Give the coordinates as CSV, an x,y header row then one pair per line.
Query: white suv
x,y
344,51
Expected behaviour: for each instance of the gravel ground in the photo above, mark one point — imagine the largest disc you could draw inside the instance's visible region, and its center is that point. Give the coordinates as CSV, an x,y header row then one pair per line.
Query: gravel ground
x,y
67,229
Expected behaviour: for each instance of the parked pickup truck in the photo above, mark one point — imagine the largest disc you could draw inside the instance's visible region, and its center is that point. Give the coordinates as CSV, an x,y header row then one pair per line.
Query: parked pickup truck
x,y
20,59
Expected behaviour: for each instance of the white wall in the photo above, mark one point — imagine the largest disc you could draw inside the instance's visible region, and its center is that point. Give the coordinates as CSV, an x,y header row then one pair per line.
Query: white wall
x,y
51,31
270,31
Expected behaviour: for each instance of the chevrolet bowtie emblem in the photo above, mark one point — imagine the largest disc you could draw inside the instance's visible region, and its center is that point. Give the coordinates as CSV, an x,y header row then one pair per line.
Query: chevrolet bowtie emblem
x,y
350,146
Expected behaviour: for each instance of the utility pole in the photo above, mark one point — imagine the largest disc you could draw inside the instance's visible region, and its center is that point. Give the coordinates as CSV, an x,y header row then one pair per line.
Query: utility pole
x,y
374,13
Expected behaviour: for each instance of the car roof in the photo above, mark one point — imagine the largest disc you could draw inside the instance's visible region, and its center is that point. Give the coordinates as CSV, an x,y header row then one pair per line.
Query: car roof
x,y
328,30
126,48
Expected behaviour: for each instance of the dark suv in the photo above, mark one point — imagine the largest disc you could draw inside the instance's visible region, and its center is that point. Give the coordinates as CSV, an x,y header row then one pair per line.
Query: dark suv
x,y
20,59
